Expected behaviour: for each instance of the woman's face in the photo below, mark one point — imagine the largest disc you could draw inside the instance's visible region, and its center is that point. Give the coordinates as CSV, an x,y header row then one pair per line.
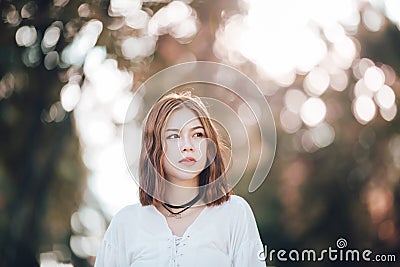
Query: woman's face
x,y
184,145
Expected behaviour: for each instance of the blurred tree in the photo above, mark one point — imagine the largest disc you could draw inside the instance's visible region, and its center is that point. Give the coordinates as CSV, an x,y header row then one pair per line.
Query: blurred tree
x,y
350,189
42,179
41,176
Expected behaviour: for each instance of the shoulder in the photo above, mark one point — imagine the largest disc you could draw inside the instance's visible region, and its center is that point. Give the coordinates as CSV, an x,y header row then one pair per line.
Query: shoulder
x,y
127,214
128,210
237,205
237,202
240,217
123,221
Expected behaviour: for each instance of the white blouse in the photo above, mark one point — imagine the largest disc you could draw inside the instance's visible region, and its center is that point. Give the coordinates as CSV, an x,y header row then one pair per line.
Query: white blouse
x,y
224,235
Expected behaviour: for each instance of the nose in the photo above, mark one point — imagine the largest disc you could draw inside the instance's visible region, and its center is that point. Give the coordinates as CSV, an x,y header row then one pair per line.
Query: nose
x,y
186,145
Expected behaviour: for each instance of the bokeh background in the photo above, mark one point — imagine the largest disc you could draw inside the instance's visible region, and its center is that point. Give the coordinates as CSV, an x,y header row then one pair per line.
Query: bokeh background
x,y
328,68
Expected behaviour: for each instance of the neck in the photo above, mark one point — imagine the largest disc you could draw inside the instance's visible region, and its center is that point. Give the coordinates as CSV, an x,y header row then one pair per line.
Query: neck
x,y
182,192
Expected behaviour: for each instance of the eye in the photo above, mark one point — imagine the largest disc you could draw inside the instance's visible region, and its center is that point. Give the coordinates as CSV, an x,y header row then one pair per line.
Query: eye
x,y
173,136
199,135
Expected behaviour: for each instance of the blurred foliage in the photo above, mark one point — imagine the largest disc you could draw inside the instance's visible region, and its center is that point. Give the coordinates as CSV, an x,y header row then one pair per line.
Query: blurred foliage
x,y
349,189
41,175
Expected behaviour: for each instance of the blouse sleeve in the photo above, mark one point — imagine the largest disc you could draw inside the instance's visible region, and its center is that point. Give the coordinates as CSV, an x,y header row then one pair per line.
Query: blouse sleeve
x,y
247,255
108,253
247,241
106,256
112,251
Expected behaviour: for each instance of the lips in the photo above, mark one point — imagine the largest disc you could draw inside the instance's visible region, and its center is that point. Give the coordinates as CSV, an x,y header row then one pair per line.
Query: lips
x,y
188,161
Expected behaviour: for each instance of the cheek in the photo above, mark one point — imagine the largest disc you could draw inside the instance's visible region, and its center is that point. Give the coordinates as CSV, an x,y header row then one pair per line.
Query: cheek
x,y
171,153
209,150
165,150
202,146
167,166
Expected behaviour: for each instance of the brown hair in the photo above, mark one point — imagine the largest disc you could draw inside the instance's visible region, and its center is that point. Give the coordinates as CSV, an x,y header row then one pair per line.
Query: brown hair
x,y
151,174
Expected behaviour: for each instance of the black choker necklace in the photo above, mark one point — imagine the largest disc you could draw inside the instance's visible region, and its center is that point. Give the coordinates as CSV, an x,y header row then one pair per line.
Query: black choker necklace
x,y
186,206
190,203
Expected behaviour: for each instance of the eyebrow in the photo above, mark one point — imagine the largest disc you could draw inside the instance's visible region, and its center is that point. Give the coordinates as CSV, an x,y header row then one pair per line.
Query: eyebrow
x,y
193,128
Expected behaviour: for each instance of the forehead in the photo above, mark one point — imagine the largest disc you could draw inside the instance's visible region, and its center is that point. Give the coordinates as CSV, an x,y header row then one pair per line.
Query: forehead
x,y
183,117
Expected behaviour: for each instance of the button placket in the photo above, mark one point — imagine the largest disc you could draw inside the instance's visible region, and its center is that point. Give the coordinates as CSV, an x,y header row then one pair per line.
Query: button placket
x,y
174,249
175,245
171,247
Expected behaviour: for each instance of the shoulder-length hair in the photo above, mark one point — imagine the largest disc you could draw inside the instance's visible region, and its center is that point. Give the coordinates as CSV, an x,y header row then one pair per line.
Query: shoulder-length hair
x,y
151,174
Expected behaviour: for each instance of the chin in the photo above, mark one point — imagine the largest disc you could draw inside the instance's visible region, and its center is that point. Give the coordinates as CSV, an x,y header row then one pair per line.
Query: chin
x,y
187,177
184,176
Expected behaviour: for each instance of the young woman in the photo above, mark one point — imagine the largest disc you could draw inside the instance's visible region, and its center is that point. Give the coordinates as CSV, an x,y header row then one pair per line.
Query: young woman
x,y
187,215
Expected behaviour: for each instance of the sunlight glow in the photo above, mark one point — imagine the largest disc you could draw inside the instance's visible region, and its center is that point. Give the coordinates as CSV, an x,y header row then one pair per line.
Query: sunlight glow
x,y
84,41
323,135
294,99
334,32
392,9
56,113
177,19
106,79
138,48
26,36
283,46
70,95
120,108
124,7
313,111
373,20
104,99
307,141
84,246
388,114
51,259
374,78
290,121
111,182
360,66
361,89
364,109
88,220
344,52
390,74
28,10
98,131
51,36
385,97
84,10
11,15
138,19
51,60
316,81
339,80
